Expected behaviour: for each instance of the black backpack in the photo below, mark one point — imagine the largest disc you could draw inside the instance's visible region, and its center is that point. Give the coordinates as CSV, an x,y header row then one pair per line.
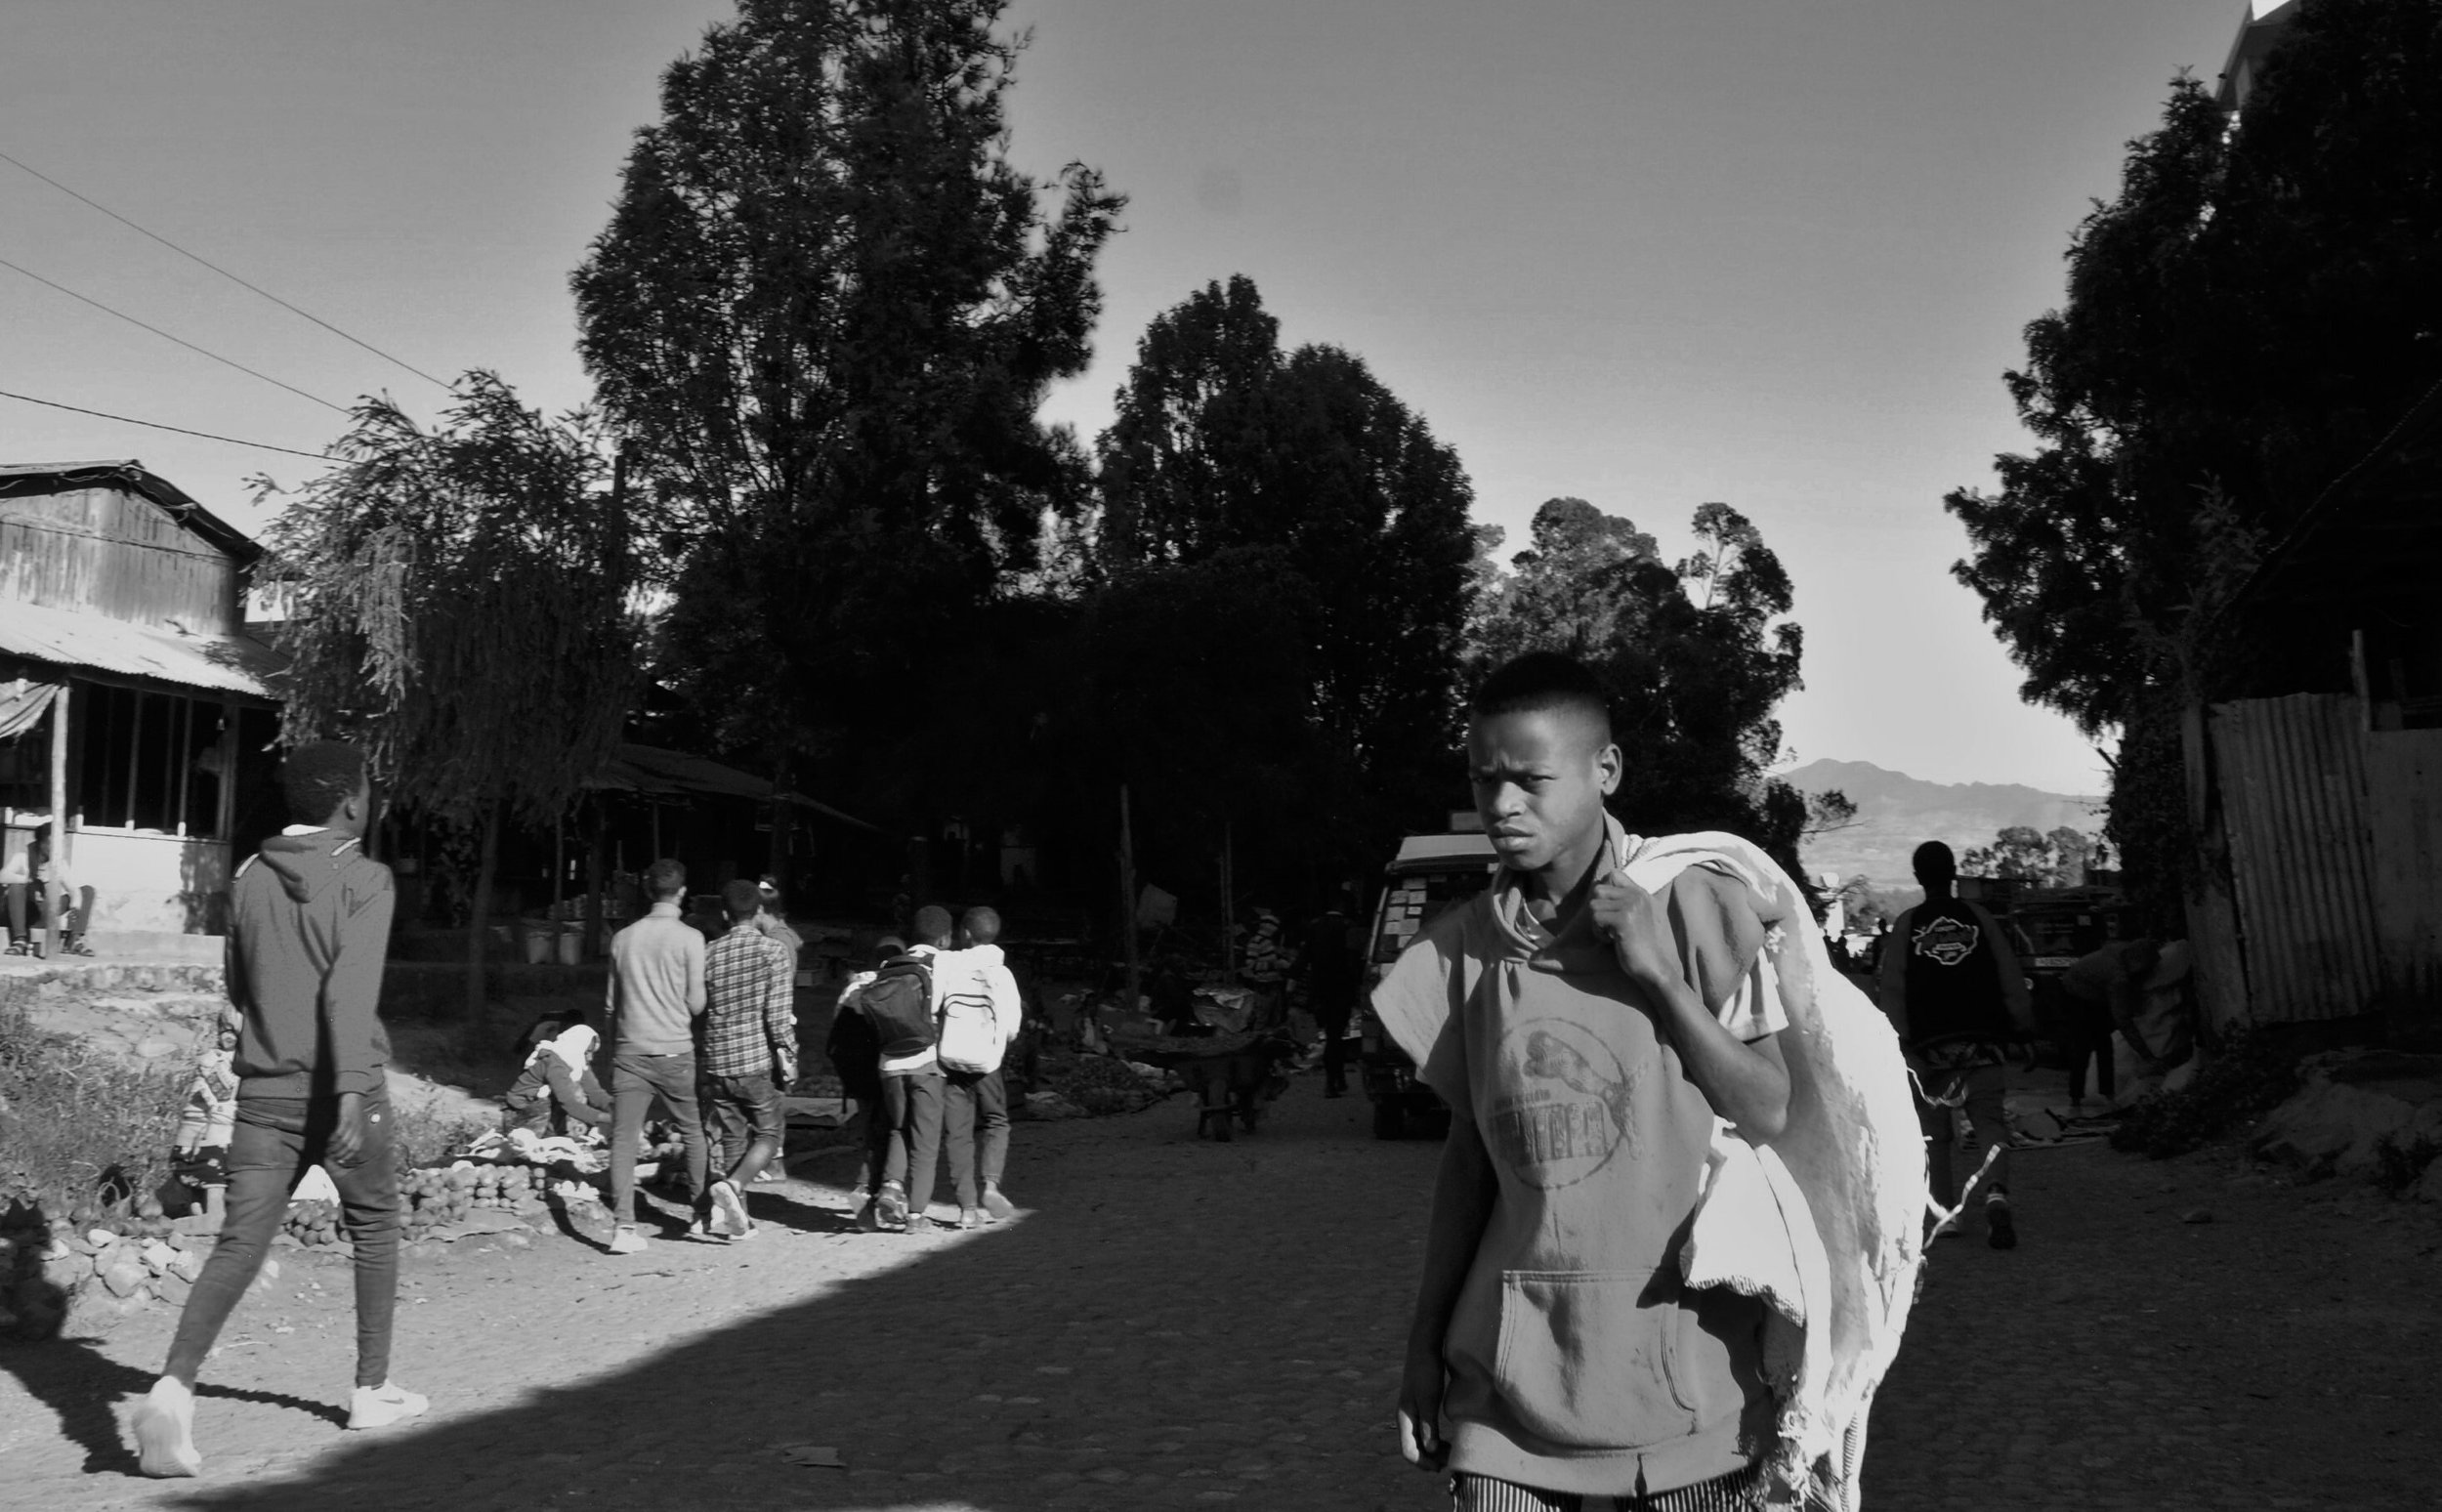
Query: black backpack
x,y
899,1003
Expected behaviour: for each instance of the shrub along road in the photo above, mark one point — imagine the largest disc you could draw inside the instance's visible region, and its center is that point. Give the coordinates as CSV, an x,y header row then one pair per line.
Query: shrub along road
x,y
1176,1324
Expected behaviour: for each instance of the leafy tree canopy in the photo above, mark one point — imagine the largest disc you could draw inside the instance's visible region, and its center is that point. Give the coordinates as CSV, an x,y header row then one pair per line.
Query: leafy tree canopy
x,y
2256,307
1301,473
822,317
1695,656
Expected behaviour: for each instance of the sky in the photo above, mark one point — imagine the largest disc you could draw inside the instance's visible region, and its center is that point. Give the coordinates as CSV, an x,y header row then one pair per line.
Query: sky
x,y
1644,254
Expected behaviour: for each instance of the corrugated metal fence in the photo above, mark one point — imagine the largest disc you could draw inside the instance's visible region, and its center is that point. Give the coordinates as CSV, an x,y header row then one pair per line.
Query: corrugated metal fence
x,y
2295,799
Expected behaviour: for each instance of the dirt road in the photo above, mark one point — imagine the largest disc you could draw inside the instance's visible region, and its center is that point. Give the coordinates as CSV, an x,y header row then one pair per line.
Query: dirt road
x,y
1175,1323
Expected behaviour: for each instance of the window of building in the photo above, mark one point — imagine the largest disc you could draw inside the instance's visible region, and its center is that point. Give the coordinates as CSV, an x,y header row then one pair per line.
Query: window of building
x,y
147,761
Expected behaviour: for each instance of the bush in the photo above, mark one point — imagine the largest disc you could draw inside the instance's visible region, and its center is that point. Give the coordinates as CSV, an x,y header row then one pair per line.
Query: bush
x,y
2253,1073
71,1118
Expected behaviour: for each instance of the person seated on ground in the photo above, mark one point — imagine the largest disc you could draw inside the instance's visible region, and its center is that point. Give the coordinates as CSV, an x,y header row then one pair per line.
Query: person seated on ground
x,y
2159,1027
855,1051
210,1114
2103,989
557,1087
1588,1035
33,885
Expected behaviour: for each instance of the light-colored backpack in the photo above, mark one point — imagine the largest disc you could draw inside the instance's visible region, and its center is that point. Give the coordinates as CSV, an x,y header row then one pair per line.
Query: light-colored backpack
x,y
970,1032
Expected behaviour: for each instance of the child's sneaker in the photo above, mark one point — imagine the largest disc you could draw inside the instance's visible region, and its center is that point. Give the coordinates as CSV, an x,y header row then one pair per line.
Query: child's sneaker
x,y
165,1430
625,1241
995,1207
970,1218
728,1210
891,1206
2001,1230
869,1218
378,1407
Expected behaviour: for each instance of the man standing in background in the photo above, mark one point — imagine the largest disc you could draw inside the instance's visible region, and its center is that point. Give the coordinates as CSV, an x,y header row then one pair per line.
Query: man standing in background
x,y
1952,990
657,993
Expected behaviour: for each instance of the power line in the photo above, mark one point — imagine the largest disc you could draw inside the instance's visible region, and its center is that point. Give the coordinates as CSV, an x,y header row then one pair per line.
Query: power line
x,y
100,414
166,336
224,272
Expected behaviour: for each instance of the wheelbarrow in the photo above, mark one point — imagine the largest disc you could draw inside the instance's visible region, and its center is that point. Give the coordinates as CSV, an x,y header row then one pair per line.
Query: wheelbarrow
x,y
1232,1076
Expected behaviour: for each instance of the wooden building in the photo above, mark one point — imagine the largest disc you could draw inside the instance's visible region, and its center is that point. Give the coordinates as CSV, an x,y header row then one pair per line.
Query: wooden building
x,y
134,713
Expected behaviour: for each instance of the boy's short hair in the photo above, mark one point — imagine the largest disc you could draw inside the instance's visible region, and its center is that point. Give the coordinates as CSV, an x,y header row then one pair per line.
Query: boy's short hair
x,y
742,900
982,924
1934,863
666,879
1540,682
932,922
319,777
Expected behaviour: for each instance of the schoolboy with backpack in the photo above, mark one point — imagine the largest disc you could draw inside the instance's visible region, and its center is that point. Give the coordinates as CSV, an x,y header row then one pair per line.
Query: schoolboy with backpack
x,y
981,1011
902,1004
854,1048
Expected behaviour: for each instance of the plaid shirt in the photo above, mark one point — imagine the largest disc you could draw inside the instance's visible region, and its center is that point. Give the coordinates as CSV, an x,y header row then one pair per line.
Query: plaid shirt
x,y
750,1008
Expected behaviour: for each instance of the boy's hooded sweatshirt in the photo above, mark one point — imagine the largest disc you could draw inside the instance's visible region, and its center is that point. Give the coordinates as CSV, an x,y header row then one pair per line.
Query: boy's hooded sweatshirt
x,y
1578,1362
309,929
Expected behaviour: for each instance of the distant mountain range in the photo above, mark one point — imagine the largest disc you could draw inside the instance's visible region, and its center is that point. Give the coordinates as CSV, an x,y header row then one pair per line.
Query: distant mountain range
x,y
1896,813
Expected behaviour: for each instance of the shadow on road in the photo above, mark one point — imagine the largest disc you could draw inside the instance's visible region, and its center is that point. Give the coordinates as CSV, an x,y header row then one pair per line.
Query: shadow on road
x,y
87,1389
1170,1318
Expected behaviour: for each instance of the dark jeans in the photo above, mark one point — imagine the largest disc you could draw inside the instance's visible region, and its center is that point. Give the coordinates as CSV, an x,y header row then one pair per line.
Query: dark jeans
x,y
976,1104
1985,1087
275,1140
1334,1053
2089,1039
22,895
634,1079
914,1106
876,1134
748,1111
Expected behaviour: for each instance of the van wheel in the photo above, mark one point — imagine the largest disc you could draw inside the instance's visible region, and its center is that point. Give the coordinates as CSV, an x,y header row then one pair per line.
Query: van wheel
x,y
1388,1122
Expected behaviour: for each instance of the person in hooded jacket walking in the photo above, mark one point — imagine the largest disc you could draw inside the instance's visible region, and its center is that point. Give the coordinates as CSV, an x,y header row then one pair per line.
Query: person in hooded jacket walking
x,y
309,928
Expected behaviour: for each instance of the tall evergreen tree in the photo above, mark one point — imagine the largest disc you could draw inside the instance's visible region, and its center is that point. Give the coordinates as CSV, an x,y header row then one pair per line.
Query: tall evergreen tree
x,y
1306,464
822,317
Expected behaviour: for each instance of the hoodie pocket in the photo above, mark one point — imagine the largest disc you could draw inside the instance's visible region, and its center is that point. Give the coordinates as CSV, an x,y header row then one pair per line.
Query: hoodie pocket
x,y
1594,1359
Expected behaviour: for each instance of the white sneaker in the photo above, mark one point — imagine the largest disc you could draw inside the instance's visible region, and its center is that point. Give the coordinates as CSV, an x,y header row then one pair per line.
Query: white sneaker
x,y
728,1208
625,1241
378,1407
165,1431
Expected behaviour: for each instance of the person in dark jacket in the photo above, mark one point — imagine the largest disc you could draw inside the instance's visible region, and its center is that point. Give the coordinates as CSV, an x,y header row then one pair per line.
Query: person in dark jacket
x,y
1952,990
855,1052
1332,967
309,927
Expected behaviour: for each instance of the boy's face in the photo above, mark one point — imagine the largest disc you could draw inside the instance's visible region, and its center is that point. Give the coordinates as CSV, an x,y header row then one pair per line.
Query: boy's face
x,y
1540,779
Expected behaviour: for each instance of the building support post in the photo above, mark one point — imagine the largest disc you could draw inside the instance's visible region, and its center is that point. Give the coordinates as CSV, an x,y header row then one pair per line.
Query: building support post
x,y
62,847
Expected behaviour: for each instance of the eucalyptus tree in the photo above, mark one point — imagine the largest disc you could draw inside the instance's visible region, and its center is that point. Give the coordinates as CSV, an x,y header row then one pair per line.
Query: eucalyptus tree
x,y
821,317
462,601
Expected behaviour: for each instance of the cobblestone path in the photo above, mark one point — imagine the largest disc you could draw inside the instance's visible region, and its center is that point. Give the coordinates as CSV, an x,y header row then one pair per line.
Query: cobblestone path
x,y
1183,1325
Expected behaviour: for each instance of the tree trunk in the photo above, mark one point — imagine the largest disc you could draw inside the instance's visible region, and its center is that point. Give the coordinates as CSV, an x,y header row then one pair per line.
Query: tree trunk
x,y
593,876
1127,899
479,927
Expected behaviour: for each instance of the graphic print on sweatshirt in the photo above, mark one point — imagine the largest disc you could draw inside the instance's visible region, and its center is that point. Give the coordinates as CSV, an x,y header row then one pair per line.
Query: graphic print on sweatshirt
x,y
1947,940
1563,1109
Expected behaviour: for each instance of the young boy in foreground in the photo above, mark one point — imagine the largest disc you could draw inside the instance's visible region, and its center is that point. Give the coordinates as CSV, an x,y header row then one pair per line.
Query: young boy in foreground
x,y
1591,1033
309,929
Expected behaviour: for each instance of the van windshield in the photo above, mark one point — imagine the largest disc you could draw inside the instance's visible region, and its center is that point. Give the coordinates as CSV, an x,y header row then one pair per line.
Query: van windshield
x,y
1413,901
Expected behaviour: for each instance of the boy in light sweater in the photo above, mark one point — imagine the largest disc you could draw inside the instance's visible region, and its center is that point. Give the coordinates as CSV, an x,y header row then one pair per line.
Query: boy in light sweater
x,y
309,929
981,1011
1589,1032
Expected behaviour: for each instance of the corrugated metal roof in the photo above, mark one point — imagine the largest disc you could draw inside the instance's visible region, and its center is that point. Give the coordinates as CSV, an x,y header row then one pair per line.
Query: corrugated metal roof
x,y
1418,852
651,769
224,663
